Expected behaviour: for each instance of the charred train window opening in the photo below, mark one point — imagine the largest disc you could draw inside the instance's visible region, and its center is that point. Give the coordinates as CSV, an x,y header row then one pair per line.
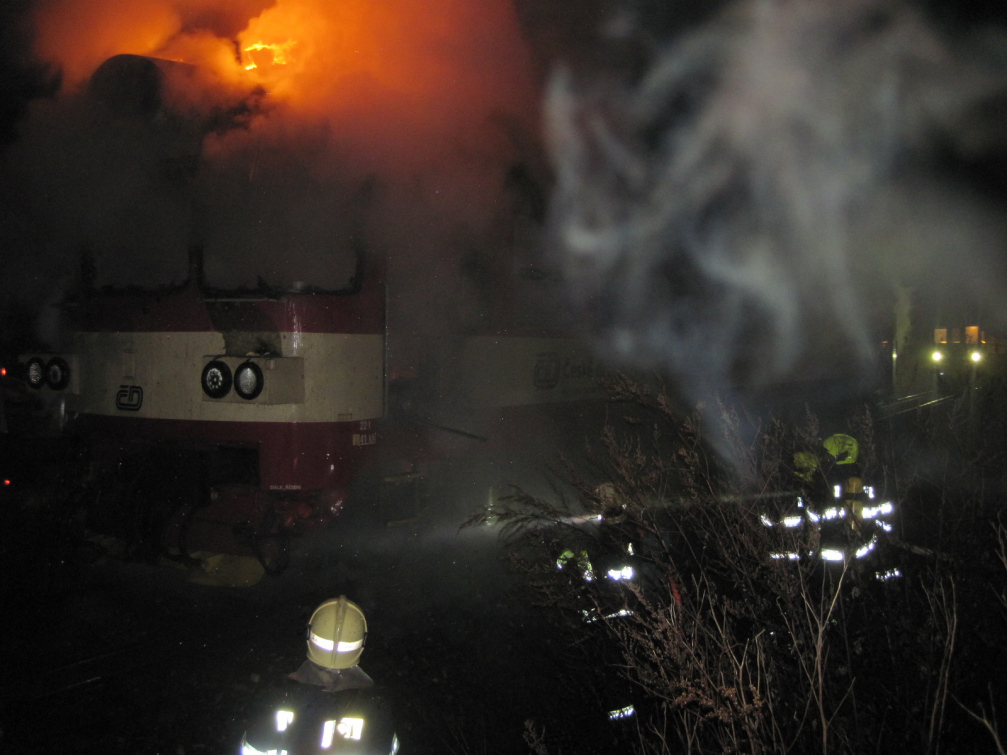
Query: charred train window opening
x,y
254,224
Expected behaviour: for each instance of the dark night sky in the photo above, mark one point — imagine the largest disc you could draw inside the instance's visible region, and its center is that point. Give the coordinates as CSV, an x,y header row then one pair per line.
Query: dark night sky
x,y
20,78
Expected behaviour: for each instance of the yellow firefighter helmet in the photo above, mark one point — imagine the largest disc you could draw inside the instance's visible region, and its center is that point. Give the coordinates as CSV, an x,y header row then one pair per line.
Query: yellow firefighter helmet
x,y
844,448
336,634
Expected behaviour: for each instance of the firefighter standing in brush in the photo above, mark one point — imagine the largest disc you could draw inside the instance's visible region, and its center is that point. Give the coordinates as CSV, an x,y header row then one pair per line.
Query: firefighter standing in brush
x,y
839,531
330,704
842,507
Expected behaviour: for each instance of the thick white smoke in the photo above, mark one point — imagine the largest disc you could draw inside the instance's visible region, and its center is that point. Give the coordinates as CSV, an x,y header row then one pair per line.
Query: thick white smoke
x,y
742,209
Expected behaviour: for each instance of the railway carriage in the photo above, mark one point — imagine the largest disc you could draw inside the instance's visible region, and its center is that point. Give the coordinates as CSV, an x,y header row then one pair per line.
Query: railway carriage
x,y
232,379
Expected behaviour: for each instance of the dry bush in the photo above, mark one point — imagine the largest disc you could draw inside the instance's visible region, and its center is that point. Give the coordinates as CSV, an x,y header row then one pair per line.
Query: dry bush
x,y
727,648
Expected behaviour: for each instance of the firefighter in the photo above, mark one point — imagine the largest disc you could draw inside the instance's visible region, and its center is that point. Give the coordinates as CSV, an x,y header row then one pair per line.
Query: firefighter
x,y
849,521
329,704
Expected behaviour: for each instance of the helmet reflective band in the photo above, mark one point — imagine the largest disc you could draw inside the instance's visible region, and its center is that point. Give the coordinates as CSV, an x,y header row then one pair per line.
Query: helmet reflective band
x,y
341,647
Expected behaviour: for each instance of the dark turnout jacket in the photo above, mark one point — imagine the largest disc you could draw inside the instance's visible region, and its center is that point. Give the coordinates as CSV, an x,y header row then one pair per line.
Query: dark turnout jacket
x,y
321,711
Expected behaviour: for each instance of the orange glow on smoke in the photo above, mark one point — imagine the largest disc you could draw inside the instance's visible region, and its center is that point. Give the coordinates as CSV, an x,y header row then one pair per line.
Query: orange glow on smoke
x,y
425,57
309,52
80,35
398,80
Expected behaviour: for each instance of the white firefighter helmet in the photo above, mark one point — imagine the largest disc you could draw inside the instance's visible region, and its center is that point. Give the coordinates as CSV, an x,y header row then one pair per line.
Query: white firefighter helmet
x,y
336,634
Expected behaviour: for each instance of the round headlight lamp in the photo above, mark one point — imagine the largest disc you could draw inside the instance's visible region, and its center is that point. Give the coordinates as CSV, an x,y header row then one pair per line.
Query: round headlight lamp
x,y
216,379
57,374
976,356
937,356
248,380
35,372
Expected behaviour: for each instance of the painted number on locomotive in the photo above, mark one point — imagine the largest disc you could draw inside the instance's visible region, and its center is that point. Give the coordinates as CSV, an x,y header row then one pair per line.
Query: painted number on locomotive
x,y
129,398
364,438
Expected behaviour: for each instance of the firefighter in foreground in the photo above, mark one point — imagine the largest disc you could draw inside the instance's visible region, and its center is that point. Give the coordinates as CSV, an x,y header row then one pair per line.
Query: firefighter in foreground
x,y
330,705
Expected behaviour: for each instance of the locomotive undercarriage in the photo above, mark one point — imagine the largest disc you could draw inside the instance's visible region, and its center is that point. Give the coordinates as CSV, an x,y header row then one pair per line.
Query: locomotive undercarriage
x,y
200,508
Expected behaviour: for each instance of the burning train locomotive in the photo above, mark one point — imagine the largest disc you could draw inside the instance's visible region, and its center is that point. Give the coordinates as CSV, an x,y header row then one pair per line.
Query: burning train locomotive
x,y
299,407
263,400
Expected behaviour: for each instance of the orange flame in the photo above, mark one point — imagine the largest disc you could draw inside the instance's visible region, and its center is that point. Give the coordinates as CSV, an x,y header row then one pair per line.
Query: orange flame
x,y
279,54
402,79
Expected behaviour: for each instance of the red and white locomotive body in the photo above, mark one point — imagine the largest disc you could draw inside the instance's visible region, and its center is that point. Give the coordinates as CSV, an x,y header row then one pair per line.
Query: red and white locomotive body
x,y
308,407
294,381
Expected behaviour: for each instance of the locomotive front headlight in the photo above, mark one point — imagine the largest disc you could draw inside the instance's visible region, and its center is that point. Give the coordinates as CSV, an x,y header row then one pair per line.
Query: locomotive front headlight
x,y
248,380
57,374
35,372
216,379
976,356
937,356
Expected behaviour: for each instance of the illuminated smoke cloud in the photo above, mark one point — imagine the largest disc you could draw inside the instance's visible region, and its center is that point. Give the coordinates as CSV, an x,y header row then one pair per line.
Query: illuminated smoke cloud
x,y
390,124
739,213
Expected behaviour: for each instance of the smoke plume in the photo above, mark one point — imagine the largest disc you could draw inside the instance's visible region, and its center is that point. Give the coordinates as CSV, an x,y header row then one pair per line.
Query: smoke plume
x,y
740,212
